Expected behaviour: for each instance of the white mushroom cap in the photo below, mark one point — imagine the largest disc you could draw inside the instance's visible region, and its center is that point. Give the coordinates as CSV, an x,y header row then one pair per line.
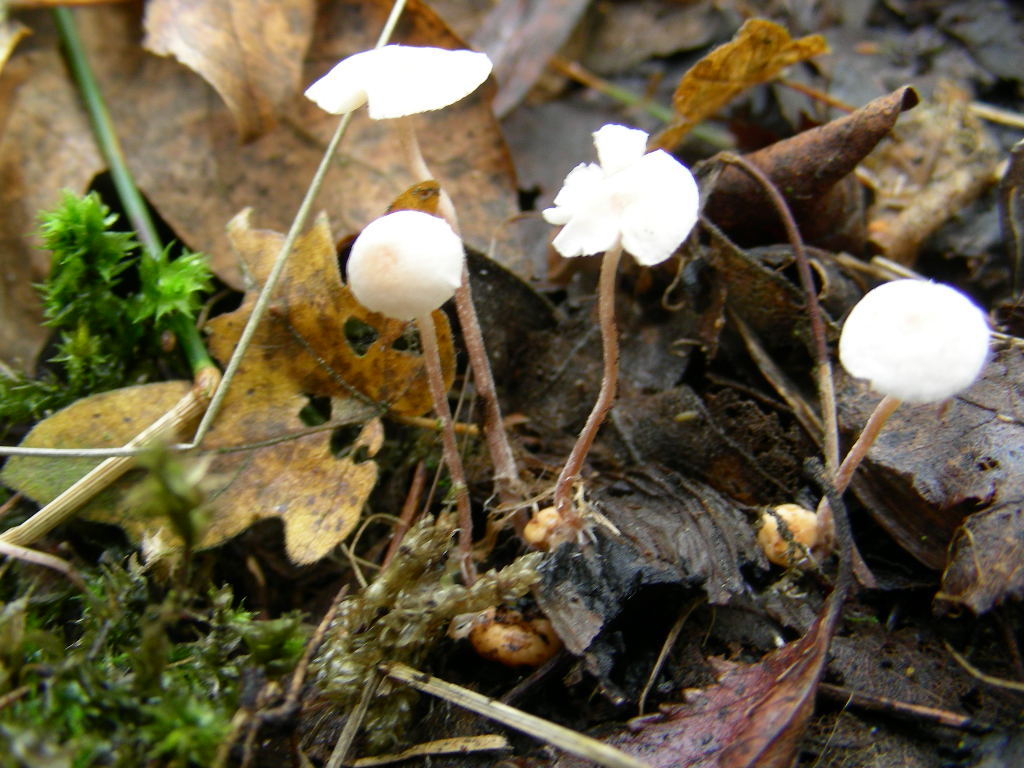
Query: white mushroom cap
x,y
650,200
915,340
400,80
405,264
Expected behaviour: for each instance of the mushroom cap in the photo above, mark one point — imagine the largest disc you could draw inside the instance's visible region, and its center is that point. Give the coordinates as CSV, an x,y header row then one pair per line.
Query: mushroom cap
x,y
405,264
400,80
649,200
915,340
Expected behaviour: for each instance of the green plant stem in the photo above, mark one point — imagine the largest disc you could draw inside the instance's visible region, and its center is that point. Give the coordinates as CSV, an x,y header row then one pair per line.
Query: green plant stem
x,y
110,146
301,216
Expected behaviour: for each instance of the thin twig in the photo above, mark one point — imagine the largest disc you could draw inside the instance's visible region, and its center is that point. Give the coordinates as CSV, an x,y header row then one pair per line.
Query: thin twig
x,y
917,712
352,724
460,745
823,365
973,671
35,557
409,507
564,738
666,647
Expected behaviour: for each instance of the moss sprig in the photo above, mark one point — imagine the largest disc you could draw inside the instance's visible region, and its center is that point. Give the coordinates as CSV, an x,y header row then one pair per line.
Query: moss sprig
x,y
107,304
402,616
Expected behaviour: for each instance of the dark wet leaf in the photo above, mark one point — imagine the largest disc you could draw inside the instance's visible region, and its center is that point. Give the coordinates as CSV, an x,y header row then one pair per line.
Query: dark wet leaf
x,y
759,292
753,717
986,560
671,530
933,465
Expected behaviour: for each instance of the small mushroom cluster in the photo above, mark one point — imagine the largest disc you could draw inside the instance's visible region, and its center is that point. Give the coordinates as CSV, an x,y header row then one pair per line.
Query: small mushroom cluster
x,y
407,264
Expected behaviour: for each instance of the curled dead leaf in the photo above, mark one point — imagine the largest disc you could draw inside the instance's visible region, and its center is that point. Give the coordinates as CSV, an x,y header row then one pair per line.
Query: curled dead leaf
x,y
758,52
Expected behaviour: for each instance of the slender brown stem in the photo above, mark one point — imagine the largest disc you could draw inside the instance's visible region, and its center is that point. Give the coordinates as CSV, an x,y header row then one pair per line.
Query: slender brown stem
x,y
435,378
412,503
506,473
823,365
841,481
606,396
868,435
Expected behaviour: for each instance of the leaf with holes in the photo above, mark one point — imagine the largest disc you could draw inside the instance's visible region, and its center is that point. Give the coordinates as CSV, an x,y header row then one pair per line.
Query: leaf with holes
x,y
317,341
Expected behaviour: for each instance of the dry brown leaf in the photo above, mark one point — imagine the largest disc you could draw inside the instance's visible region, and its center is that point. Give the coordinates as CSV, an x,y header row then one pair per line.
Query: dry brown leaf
x,y
250,51
759,51
11,33
267,465
317,497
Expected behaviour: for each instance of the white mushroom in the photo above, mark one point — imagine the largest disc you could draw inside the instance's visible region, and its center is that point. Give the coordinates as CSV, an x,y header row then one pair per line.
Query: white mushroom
x,y
648,203
914,340
405,264
399,80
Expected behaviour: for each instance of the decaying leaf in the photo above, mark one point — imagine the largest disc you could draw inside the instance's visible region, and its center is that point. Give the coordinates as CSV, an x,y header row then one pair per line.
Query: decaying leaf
x,y
986,560
753,717
267,465
758,52
813,171
942,158
520,38
251,52
758,292
317,497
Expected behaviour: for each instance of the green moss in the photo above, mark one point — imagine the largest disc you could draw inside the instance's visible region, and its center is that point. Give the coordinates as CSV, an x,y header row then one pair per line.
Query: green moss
x,y
127,674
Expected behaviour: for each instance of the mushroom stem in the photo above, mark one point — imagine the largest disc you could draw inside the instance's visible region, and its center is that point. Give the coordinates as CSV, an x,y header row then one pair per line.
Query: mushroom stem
x,y
506,473
435,379
605,397
841,481
885,408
